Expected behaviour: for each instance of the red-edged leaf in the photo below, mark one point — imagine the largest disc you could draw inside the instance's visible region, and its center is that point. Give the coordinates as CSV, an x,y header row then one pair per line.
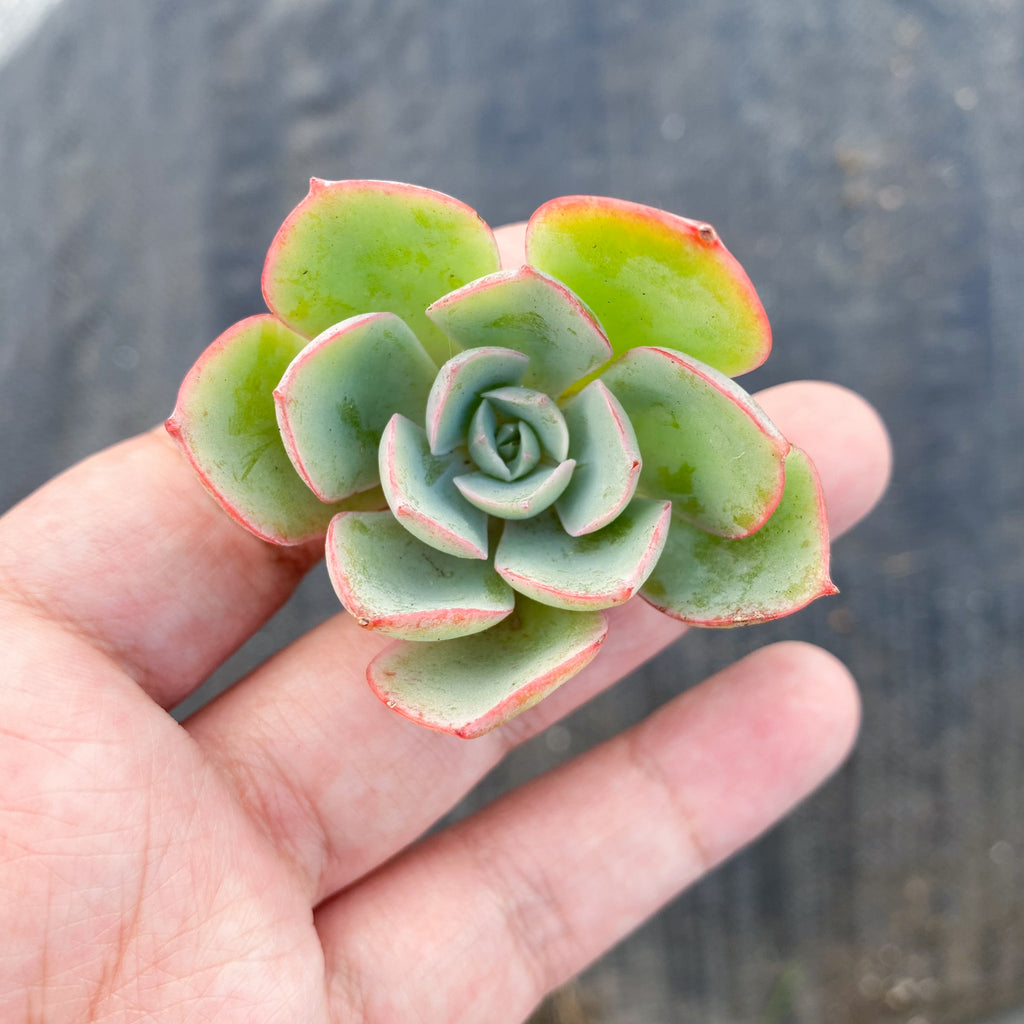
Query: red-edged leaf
x,y
225,423
374,246
713,581
532,313
394,583
652,278
420,492
705,443
470,685
336,398
599,570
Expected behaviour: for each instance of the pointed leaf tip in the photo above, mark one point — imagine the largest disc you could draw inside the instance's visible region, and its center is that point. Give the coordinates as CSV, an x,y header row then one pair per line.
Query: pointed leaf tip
x,y
652,278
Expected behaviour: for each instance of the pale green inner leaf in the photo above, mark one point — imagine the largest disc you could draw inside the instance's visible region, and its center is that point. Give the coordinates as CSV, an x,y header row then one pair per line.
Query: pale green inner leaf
x,y
456,392
516,499
597,570
539,411
420,491
705,444
604,445
523,451
340,393
527,311
420,592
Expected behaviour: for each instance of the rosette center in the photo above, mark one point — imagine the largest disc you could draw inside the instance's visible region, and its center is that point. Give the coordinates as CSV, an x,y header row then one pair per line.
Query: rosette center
x,y
513,429
502,448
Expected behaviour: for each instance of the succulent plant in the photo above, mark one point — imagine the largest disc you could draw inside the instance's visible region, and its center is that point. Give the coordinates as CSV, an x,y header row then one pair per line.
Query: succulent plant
x,y
498,456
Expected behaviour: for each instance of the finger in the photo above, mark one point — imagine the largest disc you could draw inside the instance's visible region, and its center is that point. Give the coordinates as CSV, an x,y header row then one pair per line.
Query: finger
x,y
128,550
844,437
547,878
338,808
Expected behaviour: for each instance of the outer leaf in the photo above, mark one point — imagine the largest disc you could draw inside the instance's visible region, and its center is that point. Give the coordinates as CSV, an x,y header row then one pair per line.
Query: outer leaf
x,y
470,685
395,584
338,394
225,423
368,246
652,278
604,445
599,570
517,499
711,581
706,444
532,313
456,392
419,489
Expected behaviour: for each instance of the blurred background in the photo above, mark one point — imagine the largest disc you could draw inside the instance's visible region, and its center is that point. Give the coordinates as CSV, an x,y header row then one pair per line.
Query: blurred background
x,y
864,160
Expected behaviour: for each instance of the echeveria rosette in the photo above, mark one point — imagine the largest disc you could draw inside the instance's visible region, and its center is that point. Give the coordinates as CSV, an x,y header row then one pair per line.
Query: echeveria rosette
x,y
499,456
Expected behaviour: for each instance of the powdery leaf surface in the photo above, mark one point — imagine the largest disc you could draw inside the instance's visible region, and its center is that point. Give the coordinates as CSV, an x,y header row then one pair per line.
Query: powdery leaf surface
x,y
714,581
470,685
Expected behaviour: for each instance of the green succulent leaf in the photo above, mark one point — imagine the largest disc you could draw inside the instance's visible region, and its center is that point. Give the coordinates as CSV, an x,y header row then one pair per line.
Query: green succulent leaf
x,y
456,392
470,685
226,424
604,445
652,278
706,444
713,581
395,584
338,394
598,570
575,415
359,246
532,313
516,499
420,492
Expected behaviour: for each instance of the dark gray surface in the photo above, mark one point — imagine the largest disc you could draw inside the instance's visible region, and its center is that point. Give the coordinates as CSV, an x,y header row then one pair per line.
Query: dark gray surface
x,y
865,160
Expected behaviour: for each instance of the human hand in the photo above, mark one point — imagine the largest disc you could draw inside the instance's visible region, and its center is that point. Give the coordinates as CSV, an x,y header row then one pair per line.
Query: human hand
x,y
262,862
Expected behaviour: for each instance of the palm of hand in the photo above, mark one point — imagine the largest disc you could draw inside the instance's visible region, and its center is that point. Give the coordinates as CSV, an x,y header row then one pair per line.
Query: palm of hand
x,y
260,862
141,885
